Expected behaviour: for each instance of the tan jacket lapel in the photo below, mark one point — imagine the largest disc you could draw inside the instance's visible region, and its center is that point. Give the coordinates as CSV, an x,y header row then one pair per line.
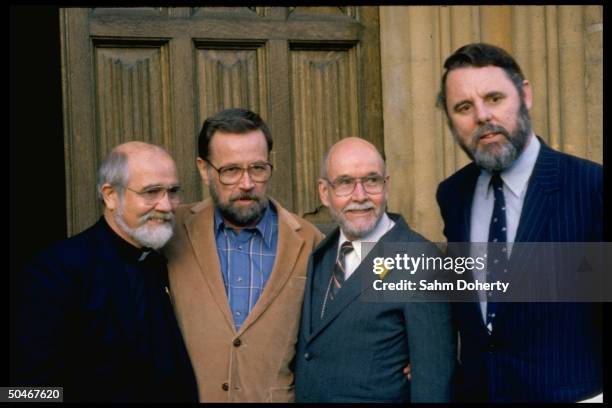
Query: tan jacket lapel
x,y
200,229
289,246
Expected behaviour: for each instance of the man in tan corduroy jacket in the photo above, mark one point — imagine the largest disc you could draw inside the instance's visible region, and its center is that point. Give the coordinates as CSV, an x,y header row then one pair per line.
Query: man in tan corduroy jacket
x,y
237,268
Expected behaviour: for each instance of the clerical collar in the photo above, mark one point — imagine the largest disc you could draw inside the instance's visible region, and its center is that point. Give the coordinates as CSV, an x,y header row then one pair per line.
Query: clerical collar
x,y
125,248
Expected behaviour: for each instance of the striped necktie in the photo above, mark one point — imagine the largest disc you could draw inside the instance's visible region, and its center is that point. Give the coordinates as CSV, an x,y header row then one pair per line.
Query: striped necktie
x,y
337,277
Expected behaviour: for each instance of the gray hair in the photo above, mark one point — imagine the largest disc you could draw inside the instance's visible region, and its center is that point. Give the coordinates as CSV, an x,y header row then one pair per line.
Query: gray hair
x,y
113,171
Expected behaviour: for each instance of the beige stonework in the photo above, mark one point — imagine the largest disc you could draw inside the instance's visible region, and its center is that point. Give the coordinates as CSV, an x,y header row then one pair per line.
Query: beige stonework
x,y
560,49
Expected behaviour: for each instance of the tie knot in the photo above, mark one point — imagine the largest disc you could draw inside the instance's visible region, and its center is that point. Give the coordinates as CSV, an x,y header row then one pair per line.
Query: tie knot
x,y
496,180
346,247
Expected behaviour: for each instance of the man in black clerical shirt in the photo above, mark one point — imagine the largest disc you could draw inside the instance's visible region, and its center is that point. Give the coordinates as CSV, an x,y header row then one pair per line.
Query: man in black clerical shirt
x,y
94,315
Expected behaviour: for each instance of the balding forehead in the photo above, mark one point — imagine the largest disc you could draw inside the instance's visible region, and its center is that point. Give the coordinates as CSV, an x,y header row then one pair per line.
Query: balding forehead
x,y
354,145
349,157
134,147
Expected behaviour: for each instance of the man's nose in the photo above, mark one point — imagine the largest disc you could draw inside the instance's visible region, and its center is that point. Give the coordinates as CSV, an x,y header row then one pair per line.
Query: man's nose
x,y
245,182
359,193
164,204
482,112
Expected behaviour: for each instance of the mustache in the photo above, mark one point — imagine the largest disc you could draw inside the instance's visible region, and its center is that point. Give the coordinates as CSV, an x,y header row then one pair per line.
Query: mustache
x,y
244,196
357,206
155,215
489,128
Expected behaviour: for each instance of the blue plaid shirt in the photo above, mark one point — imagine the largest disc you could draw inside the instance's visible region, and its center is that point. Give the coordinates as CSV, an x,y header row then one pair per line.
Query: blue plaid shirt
x,y
246,261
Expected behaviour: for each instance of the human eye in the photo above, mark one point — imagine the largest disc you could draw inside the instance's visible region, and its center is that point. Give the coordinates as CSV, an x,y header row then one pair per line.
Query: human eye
x,y
463,108
152,193
231,170
259,167
174,191
495,98
373,180
344,181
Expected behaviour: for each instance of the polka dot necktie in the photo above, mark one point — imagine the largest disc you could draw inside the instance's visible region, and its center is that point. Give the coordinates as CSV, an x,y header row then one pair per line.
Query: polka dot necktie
x,y
497,264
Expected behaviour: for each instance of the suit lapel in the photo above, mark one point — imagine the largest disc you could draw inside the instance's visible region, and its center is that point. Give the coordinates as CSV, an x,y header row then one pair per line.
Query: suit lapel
x,y
465,198
289,246
353,286
538,206
536,214
200,229
318,263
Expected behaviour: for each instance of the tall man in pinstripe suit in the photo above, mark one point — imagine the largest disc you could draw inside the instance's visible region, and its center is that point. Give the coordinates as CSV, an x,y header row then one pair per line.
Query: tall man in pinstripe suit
x,y
525,351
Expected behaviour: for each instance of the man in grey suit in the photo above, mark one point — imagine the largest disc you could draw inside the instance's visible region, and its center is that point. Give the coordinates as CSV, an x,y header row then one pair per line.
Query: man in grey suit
x,y
350,350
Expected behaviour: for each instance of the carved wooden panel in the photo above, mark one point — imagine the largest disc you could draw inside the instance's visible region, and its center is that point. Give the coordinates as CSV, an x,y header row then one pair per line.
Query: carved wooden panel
x,y
230,11
230,76
155,73
303,11
132,95
324,100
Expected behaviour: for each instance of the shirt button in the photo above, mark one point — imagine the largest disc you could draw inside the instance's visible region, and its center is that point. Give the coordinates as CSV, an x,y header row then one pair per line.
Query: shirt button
x,y
237,313
237,342
240,247
225,386
307,356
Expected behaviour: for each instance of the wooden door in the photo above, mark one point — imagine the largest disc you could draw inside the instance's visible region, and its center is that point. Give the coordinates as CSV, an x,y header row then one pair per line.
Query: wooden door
x,y
154,74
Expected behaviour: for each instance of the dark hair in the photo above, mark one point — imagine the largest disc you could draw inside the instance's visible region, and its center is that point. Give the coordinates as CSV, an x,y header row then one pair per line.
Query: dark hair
x,y
481,55
234,120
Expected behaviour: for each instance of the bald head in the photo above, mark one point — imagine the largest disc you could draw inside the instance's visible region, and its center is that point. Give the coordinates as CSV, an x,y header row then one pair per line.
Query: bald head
x,y
139,186
115,169
353,186
350,147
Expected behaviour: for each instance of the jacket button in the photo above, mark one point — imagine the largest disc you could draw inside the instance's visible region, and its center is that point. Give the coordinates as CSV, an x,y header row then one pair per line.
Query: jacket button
x,y
307,356
225,386
237,342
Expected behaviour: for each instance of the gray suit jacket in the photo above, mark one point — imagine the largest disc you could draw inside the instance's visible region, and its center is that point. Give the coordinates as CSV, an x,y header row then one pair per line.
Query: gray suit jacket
x,y
357,352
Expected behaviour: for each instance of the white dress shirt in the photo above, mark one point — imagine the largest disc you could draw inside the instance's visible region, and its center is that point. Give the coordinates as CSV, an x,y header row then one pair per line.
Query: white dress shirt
x,y
353,259
515,180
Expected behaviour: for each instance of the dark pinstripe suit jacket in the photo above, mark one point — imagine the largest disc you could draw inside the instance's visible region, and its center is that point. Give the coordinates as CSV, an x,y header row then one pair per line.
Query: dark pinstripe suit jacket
x,y
538,351
356,353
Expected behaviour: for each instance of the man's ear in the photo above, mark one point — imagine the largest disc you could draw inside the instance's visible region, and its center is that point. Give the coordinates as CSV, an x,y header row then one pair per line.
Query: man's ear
x,y
202,168
324,193
110,196
528,98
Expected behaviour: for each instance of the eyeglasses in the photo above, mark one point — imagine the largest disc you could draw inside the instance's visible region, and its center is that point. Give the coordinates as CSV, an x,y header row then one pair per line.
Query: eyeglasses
x,y
259,172
152,195
344,186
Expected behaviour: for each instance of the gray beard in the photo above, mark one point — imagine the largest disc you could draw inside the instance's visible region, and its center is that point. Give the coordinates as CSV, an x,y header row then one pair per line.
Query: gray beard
x,y
349,229
152,237
244,216
509,151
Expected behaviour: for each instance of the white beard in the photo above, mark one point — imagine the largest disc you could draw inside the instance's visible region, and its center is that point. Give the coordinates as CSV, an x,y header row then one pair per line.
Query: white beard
x,y
151,236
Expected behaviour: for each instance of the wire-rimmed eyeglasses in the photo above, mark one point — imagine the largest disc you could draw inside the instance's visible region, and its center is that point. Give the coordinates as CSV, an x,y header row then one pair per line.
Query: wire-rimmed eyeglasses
x,y
153,194
344,186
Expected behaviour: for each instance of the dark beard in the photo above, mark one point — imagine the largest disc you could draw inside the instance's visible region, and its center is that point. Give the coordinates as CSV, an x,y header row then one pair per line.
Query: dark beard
x,y
510,151
242,217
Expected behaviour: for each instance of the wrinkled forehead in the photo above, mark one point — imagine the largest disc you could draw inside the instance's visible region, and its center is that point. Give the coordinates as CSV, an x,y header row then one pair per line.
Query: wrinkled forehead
x,y
354,161
152,168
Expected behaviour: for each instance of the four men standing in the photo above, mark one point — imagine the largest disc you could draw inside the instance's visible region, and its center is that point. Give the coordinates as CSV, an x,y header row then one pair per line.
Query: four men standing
x,y
239,266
